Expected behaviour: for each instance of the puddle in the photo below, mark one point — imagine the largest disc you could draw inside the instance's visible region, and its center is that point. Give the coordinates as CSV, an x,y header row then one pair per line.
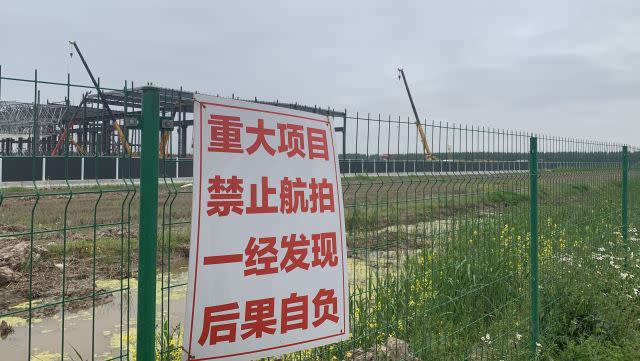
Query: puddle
x,y
109,323
420,228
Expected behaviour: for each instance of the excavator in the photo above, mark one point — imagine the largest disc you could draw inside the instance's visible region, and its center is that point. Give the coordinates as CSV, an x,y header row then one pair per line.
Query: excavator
x,y
423,137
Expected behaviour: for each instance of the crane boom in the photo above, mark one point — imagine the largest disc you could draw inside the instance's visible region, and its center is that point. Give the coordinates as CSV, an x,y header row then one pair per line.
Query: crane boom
x,y
423,136
116,126
68,126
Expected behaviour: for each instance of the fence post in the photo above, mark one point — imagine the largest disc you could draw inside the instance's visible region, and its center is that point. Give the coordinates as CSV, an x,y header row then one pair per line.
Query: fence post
x,y
625,206
148,231
344,134
533,251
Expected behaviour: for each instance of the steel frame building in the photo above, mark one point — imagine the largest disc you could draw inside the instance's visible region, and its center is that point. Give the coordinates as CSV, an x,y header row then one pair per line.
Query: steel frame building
x,y
25,125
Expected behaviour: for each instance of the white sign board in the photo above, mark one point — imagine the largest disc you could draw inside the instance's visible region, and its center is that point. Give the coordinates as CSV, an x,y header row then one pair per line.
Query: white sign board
x,y
267,265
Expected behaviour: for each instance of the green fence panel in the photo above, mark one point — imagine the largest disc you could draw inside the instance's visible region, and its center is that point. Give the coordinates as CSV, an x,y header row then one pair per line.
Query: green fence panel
x,y
508,246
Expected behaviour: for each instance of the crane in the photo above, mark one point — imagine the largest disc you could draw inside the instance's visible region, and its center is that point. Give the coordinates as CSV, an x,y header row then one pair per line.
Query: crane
x,y
116,126
423,137
68,127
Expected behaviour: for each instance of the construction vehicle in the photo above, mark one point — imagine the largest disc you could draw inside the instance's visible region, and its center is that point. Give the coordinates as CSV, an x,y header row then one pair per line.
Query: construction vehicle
x,y
68,127
165,142
79,148
423,137
166,133
115,124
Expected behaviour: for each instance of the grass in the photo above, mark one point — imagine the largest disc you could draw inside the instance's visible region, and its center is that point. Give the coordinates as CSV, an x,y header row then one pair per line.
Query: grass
x,y
109,250
443,264
506,197
465,295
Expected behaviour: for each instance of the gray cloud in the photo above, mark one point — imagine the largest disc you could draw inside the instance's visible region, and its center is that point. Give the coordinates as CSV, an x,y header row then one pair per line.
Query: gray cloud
x,y
566,68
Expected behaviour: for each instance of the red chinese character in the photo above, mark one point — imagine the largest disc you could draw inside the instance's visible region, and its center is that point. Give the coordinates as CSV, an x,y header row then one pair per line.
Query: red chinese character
x,y
291,139
318,147
259,318
325,306
292,196
214,326
224,199
261,138
325,250
294,313
263,253
225,134
296,252
321,196
264,204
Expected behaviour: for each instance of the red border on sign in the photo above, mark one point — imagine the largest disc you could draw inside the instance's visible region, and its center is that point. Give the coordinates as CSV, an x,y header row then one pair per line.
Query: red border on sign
x,y
195,281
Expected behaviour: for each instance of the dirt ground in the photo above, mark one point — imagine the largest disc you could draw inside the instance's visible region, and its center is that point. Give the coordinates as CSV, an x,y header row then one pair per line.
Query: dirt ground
x,y
47,273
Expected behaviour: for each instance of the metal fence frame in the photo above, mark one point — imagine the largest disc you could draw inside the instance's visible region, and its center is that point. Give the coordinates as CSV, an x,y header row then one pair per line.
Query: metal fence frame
x,y
610,161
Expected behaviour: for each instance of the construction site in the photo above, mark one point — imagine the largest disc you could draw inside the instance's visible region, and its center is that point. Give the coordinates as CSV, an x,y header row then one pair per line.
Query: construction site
x,y
59,139
344,235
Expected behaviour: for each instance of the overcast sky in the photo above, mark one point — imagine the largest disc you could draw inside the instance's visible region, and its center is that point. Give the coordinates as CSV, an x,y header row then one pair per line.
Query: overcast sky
x,y
566,68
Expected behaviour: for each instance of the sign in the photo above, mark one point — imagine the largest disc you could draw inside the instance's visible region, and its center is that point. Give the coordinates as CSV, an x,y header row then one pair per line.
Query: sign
x,y
267,265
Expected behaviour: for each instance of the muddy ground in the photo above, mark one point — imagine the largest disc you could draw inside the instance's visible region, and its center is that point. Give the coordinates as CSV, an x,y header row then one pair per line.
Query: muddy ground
x,y
47,273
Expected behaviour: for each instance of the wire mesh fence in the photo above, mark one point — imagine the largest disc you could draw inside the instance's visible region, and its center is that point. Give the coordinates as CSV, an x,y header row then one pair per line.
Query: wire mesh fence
x,y
471,256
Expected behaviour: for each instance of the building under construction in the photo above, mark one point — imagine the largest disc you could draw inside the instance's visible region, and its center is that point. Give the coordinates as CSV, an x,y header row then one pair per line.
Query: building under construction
x,y
95,130
98,124
91,128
